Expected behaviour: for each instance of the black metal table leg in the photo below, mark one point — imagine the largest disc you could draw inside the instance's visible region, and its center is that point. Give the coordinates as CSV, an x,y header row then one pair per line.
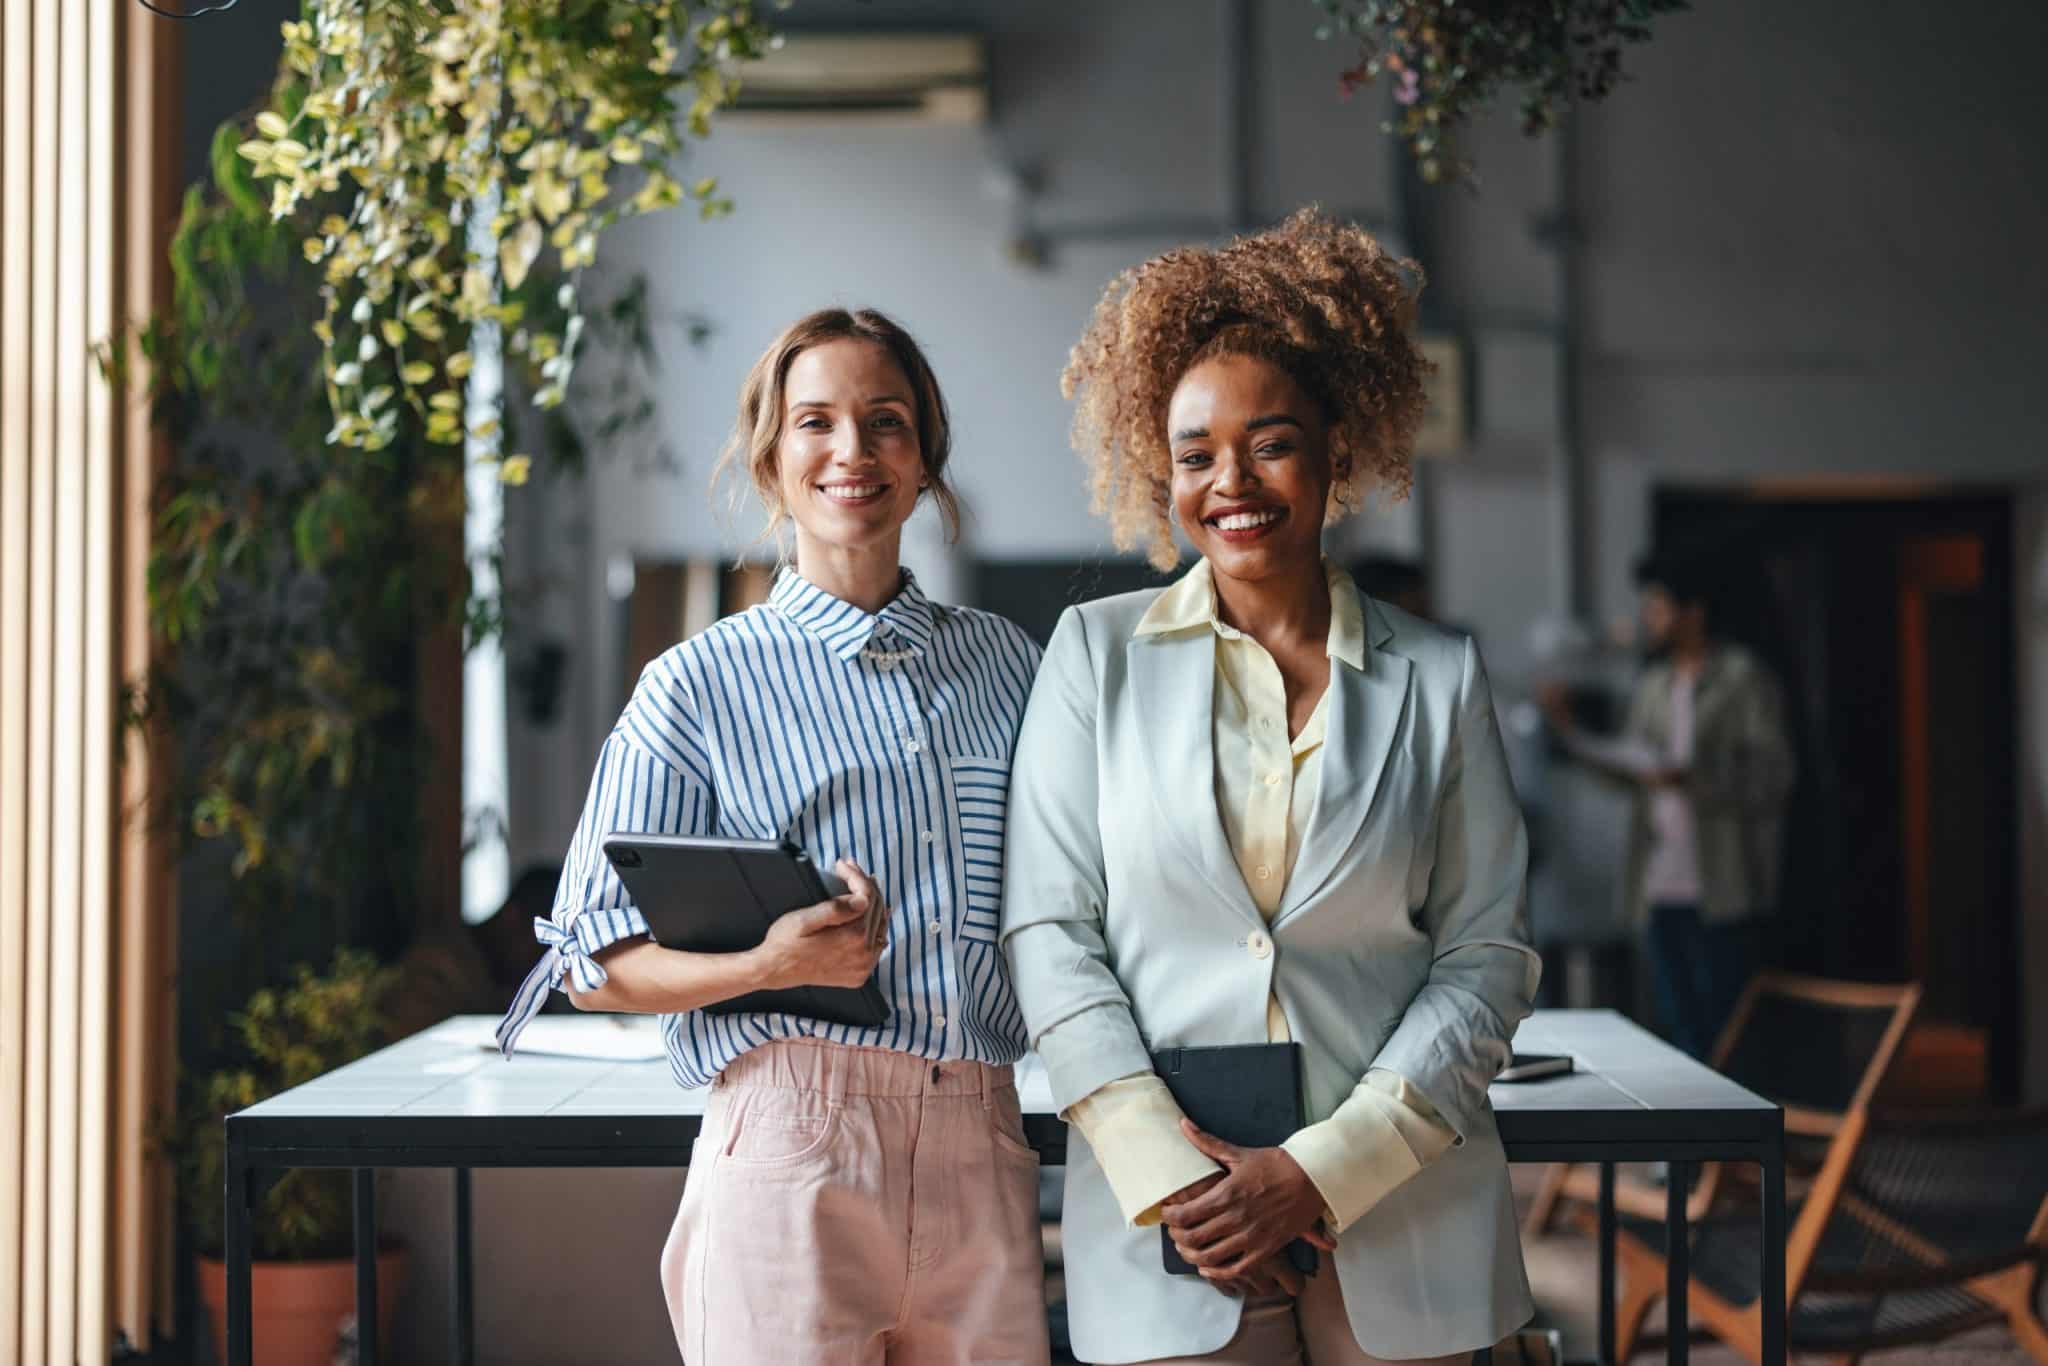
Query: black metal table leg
x,y
1606,1264
462,1321
366,1266
240,1197
1677,1264
1774,1234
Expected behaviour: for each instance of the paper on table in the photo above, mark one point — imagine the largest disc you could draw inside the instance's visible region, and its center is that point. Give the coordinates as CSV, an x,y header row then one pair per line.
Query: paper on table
x,y
606,1038
1630,756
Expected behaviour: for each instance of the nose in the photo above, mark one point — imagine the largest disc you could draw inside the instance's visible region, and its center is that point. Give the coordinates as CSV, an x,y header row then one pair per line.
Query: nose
x,y
852,446
1235,474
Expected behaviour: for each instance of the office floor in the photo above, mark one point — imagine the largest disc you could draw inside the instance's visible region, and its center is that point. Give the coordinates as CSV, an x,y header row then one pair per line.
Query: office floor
x,y
1562,1277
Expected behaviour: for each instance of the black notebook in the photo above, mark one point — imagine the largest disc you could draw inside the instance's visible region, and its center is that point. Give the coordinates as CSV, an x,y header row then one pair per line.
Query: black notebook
x,y
710,895
1247,1094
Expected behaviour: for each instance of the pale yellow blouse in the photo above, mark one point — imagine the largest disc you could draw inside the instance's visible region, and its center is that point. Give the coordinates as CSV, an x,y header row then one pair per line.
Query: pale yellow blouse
x,y
1385,1131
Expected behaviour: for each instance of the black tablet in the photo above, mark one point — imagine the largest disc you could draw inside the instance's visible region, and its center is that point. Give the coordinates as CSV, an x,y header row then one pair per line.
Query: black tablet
x,y
1247,1094
711,895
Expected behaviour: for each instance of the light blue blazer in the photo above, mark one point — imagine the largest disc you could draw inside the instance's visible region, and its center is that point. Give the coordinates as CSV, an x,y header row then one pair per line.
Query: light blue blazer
x,y
1401,943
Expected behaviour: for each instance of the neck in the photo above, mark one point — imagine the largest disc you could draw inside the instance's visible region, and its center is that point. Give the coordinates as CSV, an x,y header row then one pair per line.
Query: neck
x,y
1690,653
1282,608
868,576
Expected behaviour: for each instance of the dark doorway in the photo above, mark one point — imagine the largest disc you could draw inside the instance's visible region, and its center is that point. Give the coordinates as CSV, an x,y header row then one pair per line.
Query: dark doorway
x,y
1890,619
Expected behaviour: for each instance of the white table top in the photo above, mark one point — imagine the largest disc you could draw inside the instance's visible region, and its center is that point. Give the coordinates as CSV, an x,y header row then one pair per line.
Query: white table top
x,y
448,1071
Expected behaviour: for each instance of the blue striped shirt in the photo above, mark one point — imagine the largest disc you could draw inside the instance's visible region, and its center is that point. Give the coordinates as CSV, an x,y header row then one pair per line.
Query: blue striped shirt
x,y
883,738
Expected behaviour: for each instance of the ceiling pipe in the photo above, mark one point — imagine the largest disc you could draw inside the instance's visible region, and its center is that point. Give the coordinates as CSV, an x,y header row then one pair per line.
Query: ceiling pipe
x,y
1234,107
1571,490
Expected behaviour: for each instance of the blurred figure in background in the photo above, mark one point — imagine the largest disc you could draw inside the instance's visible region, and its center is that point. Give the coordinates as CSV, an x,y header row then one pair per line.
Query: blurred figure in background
x,y
1706,751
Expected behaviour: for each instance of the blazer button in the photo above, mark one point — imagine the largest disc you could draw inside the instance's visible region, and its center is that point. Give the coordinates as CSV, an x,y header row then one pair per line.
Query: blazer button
x,y
1258,945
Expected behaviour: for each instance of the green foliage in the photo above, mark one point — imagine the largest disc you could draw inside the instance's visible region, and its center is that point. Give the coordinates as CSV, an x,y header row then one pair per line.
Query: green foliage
x,y
283,1038
292,573
1450,58
288,587
396,118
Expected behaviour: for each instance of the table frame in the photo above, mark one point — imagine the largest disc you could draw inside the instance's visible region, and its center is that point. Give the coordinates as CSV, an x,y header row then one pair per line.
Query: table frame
x,y
259,1147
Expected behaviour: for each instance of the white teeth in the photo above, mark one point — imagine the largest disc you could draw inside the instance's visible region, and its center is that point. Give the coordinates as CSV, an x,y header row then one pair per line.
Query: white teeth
x,y
1245,521
853,492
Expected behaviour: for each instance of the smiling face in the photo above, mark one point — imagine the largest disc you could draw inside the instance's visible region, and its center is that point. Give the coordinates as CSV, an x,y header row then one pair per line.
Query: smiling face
x,y
849,462
1251,468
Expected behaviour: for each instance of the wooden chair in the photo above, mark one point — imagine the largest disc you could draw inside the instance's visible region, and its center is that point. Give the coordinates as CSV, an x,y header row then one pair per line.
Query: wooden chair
x,y
1920,1225
1815,1045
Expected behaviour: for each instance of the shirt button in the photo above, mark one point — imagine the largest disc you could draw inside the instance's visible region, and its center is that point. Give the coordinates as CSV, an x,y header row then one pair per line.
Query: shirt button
x,y
1272,780
926,836
938,927
1263,872
1265,723
938,1020
1257,945
916,747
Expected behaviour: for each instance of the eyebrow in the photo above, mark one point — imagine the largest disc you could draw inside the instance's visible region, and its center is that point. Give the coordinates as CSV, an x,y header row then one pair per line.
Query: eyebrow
x,y
1262,420
823,403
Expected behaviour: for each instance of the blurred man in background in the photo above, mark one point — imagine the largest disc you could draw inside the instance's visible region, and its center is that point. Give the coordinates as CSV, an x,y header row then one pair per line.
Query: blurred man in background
x,y
1705,750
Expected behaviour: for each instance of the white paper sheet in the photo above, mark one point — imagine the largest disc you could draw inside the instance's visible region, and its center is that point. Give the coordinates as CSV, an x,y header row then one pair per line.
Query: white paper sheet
x,y
607,1038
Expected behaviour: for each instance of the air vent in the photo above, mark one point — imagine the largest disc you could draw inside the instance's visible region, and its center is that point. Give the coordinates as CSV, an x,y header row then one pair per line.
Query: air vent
x,y
918,77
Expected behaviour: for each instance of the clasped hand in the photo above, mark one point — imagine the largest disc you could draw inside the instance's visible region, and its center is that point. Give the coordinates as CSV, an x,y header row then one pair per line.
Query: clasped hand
x,y
1234,1227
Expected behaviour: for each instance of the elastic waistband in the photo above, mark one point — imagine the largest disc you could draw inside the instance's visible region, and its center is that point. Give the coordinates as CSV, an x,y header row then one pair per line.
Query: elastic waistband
x,y
843,1070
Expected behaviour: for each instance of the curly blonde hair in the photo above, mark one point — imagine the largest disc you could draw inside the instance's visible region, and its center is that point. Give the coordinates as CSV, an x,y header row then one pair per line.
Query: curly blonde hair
x,y
1317,298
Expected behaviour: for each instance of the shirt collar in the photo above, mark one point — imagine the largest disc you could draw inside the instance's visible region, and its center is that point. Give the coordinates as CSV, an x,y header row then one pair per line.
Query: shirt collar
x,y
906,623
1191,603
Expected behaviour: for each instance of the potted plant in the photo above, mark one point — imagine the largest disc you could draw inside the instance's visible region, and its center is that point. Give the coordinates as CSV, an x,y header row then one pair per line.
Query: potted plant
x,y
304,1270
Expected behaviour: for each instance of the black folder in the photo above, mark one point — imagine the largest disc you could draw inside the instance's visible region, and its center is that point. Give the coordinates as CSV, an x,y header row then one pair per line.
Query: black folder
x,y
712,895
1246,1094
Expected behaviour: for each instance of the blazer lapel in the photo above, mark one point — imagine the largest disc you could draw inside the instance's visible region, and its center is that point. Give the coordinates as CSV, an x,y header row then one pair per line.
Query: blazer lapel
x,y
1366,707
1173,683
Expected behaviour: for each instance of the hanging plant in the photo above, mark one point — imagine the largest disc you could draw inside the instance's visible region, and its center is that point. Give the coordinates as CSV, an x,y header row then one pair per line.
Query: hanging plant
x,y
1448,59
396,121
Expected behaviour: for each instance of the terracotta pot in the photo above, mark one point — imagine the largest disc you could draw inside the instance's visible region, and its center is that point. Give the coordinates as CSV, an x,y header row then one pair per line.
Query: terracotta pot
x,y
297,1308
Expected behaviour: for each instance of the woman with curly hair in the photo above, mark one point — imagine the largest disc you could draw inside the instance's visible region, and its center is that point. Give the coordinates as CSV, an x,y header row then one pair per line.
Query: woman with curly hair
x,y
1256,807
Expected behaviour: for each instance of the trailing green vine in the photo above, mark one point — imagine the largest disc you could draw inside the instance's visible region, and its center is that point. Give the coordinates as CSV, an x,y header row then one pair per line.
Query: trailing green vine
x,y
397,119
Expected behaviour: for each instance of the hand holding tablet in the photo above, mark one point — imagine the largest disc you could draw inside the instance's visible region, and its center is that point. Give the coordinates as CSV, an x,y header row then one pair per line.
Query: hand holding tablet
x,y
831,944
714,895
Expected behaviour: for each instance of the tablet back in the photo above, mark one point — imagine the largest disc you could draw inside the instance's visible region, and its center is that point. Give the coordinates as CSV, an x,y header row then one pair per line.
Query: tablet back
x,y
712,895
1246,1094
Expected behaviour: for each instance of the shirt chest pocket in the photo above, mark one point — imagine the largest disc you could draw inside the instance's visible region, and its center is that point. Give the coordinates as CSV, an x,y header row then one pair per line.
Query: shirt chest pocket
x,y
979,790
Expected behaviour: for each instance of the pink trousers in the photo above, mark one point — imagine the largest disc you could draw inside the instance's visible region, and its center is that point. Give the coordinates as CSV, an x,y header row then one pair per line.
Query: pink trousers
x,y
856,1206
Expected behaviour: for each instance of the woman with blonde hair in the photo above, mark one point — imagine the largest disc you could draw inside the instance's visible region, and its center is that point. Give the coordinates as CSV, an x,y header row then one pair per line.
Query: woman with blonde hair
x,y
857,1195
1257,807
